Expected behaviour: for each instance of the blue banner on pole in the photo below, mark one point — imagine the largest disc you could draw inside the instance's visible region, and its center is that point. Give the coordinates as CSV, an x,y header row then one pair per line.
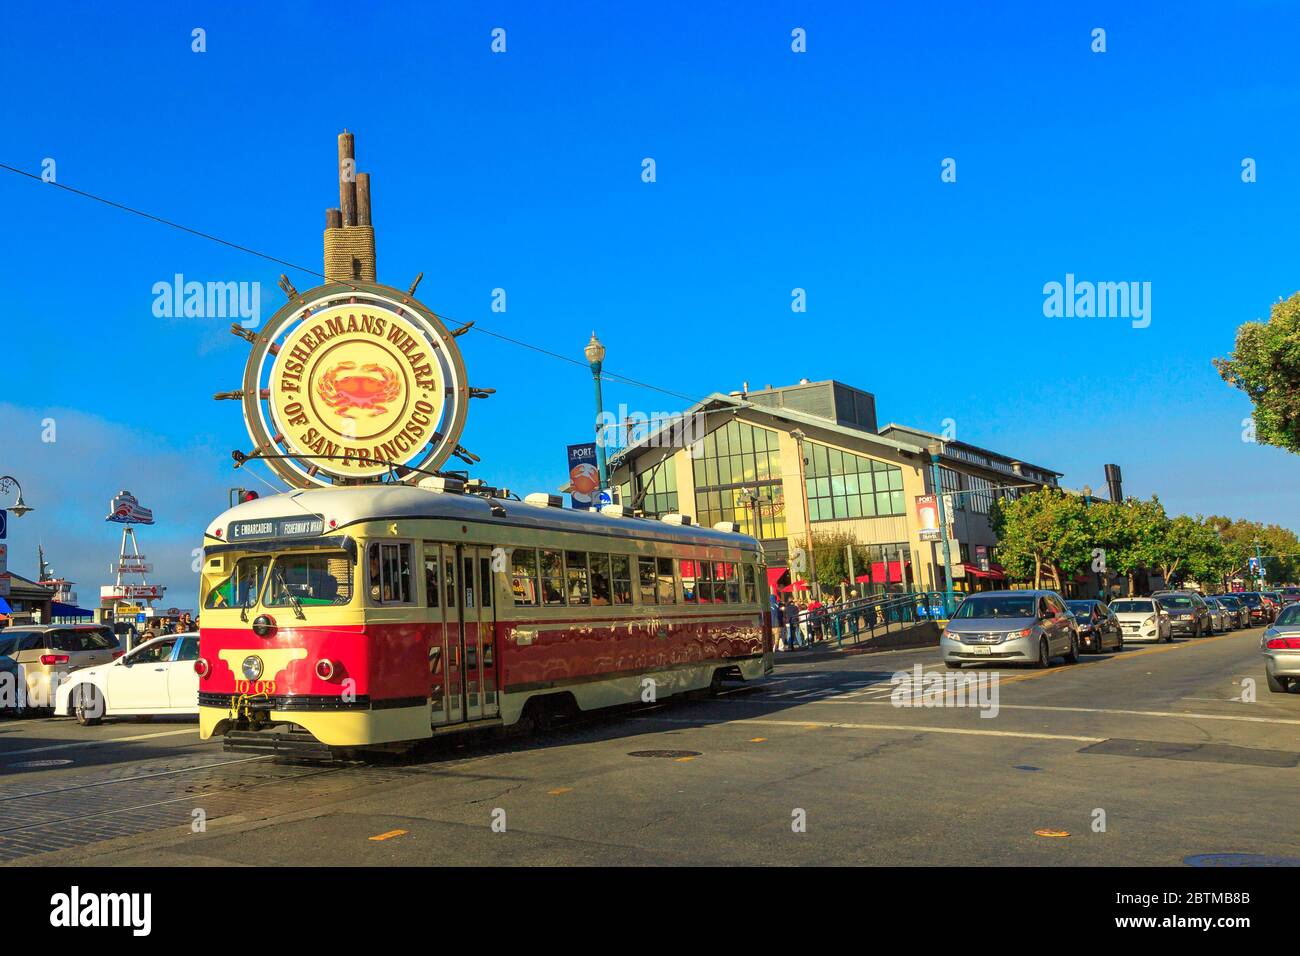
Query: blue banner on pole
x,y
584,475
4,524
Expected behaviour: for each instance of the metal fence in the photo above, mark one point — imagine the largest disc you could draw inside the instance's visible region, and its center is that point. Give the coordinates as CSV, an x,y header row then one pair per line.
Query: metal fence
x,y
864,619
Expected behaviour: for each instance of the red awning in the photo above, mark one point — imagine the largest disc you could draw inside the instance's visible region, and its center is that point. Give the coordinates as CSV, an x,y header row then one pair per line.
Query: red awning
x,y
994,572
883,573
774,576
797,586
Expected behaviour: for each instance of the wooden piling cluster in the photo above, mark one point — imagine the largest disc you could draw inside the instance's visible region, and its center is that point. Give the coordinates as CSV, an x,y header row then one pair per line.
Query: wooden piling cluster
x,y
349,232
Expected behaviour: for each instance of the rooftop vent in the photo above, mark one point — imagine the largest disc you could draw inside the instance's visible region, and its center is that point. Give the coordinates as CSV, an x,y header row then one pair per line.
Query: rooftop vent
x,y
449,486
540,499
683,520
726,526
615,511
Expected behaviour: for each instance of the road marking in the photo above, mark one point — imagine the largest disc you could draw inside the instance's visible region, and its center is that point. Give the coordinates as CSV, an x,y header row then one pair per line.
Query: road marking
x,y
913,728
389,835
1051,833
757,740
5,755
558,791
682,759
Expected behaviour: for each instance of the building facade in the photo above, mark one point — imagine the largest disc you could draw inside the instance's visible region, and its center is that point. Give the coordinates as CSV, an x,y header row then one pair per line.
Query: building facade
x,y
782,463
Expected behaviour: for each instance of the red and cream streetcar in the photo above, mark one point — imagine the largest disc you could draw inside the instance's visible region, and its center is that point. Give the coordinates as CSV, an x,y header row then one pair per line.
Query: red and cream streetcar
x,y
383,614
381,601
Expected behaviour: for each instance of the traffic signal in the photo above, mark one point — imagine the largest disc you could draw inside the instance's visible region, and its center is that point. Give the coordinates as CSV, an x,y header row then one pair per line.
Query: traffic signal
x,y
239,495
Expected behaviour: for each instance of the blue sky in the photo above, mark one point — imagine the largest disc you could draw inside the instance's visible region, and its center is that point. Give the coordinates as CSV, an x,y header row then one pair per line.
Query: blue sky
x,y
775,170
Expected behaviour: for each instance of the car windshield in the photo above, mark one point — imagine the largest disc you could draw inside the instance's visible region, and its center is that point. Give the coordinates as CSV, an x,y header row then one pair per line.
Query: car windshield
x,y
1079,608
243,585
314,579
1251,599
1133,607
1000,606
82,639
1290,615
1175,601
1228,599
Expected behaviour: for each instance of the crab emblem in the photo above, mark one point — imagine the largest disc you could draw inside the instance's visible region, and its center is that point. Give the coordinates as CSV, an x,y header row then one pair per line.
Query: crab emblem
x,y
361,394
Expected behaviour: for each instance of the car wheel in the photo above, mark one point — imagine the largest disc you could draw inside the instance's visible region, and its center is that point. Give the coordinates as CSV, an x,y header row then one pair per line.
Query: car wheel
x,y
1278,685
1072,655
88,705
1044,658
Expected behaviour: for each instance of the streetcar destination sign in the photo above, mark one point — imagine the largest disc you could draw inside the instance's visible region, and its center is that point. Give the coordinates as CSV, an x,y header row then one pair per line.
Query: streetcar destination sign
x,y
300,527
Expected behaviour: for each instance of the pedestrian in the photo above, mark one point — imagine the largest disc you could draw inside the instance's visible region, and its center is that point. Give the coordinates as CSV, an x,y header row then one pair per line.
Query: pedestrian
x,y
790,615
778,622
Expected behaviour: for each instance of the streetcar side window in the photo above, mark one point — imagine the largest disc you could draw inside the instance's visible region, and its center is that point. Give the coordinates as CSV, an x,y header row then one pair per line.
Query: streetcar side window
x,y
690,582
749,583
575,565
449,580
523,576
621,578
733,582
390,573
667,589
599,579
487,581
432,586
552,578
706,582
648,578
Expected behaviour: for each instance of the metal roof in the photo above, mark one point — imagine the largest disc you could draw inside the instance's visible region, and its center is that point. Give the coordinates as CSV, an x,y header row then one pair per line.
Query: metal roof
x,y
349,505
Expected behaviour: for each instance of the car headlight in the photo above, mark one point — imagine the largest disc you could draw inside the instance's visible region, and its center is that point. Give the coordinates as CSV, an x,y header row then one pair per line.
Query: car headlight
x,y
1016,635
1149,621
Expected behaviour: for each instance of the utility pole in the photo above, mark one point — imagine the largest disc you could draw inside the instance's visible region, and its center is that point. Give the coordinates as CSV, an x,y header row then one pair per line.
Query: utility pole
x,y
936,449
799,437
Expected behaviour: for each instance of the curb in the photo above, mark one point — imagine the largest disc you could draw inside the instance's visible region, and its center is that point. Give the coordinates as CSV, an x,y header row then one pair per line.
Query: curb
x,y
883,643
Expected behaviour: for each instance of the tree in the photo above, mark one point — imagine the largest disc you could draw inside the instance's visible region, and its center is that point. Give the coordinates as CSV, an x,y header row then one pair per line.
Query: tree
x,y
1189,545
1042,533
831,558
1128,533
1266,366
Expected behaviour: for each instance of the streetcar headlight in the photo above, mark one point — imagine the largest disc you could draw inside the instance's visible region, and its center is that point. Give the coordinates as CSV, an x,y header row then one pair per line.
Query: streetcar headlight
x,y
324,668
252,667
263,625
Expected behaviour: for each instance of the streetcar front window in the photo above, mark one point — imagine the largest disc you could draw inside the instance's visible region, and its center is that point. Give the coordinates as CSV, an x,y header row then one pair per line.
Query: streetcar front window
x,y
243,585
315,580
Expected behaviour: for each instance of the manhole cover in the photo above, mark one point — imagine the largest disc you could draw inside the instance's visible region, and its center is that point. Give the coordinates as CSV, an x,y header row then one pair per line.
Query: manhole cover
x,y
32,764
664,753
1240,859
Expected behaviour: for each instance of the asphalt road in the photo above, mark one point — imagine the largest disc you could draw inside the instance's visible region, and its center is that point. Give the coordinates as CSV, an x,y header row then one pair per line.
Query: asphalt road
x,y
1149,756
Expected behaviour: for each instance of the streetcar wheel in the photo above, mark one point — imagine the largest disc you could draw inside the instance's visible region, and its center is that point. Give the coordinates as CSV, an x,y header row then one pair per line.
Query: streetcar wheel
x,y
89,706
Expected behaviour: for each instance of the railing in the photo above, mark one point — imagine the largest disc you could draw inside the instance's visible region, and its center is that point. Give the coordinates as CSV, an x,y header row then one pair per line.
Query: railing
x,y
863,619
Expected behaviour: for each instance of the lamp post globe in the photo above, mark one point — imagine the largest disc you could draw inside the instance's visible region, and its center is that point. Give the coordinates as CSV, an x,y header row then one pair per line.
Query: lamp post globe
x,y
595,353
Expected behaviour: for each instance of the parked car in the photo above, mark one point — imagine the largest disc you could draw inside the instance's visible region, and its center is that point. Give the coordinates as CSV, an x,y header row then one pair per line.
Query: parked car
x,y
158,677
1233,602
1260,608
1142,619
1099,629
1280,646
1221,619
1290,595
1010,626
1274,598
49,652
1188,613
10,699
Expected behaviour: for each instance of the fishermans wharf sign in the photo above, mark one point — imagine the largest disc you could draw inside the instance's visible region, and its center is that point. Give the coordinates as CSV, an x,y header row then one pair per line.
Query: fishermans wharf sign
x,y
353,381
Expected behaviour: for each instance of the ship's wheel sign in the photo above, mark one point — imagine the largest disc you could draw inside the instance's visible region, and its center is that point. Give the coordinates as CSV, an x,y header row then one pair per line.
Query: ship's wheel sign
x,y
354,382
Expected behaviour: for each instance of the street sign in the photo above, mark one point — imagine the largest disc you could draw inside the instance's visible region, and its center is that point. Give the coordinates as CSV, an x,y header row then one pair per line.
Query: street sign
x,y
606,498
982,556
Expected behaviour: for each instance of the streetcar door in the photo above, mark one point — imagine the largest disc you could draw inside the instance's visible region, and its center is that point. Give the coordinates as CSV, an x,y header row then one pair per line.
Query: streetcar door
x,y
454,635
438,634
476,624
487,630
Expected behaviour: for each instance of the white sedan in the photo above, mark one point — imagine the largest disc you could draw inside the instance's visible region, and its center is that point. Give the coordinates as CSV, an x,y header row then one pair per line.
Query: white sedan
x,y
1143,619
158,677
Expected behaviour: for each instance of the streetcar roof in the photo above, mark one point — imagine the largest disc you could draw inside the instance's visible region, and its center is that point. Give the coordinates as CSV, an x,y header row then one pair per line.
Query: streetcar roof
x,y
352,505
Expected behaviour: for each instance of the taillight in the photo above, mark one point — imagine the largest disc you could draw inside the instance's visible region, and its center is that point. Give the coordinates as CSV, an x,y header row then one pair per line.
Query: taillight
x,y
324,668
54,658
1283,644
117,654
201,667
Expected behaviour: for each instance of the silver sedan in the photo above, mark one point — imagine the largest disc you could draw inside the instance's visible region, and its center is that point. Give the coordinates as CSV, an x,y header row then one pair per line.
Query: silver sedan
x,y
1280,646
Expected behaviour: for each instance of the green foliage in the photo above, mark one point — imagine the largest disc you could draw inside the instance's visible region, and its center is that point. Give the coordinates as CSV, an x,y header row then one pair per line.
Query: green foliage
x,y
831,558
1042,534
1266,366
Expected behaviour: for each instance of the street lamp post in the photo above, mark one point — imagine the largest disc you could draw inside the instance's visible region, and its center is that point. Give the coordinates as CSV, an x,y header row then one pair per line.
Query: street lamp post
x,y
595,353
7,483
936,449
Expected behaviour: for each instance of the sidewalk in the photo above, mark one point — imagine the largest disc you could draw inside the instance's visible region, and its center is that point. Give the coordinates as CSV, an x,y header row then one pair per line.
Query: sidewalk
x,y
922,634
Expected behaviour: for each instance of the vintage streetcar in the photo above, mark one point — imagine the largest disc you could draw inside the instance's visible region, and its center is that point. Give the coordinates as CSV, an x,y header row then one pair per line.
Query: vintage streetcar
x,y
374,616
